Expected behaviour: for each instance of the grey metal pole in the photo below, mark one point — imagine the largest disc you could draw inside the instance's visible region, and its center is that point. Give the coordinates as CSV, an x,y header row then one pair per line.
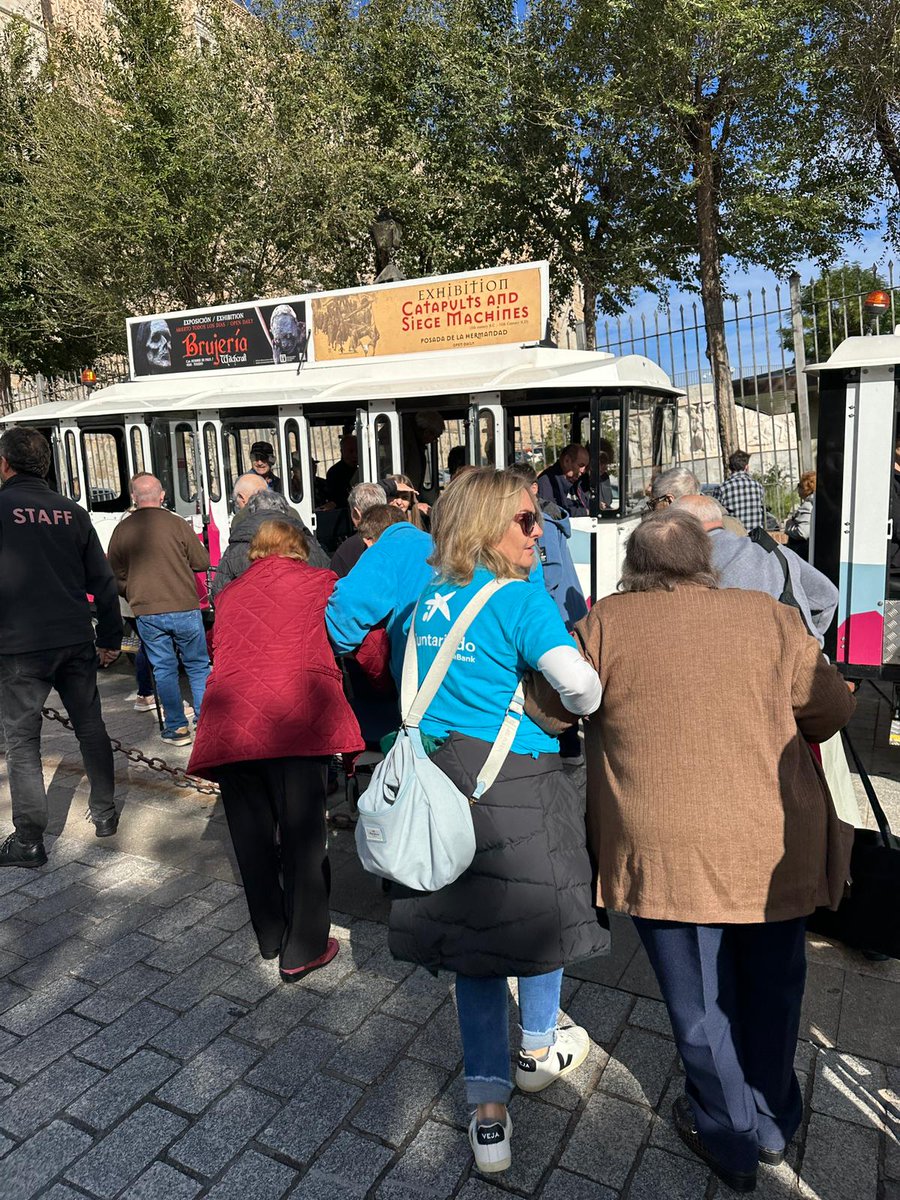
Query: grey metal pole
x,y
804,436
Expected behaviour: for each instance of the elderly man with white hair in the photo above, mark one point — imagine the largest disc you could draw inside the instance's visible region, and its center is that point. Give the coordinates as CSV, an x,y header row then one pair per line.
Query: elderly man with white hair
x,y
677,482
245,487
363,497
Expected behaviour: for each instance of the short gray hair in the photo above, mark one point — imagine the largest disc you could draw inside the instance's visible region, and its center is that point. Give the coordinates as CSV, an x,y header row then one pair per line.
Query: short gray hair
x,y
704,508
269,501
677,482
365,496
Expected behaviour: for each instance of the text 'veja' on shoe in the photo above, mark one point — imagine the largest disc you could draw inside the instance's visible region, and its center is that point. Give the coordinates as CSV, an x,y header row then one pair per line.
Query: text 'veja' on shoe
x,y
490,1142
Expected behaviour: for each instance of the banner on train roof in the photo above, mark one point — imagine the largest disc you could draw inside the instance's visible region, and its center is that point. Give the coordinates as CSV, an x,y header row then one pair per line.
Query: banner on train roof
x,y
499,307
256,334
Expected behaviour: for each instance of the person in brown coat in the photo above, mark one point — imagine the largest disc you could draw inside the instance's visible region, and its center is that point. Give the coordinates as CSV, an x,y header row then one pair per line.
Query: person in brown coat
x,y
711,825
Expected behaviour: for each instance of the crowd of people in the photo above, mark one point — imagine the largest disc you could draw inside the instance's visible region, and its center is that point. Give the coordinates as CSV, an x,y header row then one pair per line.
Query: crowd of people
x,y
701,687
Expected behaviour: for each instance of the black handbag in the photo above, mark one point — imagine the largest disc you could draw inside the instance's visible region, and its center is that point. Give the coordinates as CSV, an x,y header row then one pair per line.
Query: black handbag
x,y
868,918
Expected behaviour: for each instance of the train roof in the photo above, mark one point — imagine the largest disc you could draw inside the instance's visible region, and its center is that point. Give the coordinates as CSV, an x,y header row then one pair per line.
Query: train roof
x,y
877,350
422,376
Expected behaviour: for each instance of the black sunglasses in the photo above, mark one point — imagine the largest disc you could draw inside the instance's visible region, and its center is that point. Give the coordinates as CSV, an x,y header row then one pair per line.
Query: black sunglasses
x,y
526,521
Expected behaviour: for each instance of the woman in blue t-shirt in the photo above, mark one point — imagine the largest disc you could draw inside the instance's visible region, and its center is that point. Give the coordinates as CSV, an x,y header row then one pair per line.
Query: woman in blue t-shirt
x,y
524,907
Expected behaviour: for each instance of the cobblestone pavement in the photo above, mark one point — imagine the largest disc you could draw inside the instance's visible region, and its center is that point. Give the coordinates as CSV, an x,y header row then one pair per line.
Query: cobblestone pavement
x,y
147,1052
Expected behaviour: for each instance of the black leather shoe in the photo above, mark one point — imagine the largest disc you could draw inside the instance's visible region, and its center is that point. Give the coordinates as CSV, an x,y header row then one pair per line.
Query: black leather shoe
x,y
772,1158
14,853
107,827
683,1115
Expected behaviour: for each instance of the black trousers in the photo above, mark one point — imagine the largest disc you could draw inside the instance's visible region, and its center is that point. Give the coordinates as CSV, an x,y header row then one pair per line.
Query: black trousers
x,y
287,880
25,683
734,993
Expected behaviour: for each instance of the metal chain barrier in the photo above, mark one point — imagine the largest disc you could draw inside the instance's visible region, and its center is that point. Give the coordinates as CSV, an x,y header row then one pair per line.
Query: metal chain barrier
x,y
179,778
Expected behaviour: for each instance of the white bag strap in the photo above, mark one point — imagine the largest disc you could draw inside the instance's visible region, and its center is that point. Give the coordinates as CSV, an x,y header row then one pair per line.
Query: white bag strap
x,y
414,702
493,765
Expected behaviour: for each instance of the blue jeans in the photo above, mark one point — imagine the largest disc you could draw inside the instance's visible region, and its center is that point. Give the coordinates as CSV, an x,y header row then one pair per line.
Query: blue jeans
x,y
482,1005
142,672
163,634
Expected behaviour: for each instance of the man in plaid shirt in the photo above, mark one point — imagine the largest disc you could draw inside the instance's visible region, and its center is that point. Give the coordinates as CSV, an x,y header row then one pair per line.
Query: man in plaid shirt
x,y
742,496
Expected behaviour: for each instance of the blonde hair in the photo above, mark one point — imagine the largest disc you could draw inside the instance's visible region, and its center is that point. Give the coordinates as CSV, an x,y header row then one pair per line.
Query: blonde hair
x,y
807,484
413,513
281,538
469,520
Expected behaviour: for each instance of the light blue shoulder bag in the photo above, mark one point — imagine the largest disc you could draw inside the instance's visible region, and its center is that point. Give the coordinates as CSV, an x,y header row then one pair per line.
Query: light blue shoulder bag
x,y
415,825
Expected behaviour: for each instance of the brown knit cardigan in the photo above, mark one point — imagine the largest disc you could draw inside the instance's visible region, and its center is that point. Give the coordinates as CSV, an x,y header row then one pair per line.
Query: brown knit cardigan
x,y
704,802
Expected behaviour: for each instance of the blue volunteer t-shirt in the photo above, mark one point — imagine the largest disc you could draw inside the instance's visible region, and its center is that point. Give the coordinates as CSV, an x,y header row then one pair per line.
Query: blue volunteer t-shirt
x,y
518,625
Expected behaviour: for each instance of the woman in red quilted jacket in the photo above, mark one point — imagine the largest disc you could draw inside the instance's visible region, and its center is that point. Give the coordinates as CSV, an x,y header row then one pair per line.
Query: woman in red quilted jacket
x,y
268,746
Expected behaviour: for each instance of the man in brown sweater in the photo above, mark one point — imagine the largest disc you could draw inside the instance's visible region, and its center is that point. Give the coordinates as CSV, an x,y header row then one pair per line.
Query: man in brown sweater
x,y
154,554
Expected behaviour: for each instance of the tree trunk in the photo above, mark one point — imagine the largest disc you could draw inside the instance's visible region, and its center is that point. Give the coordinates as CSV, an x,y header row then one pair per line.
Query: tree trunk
x,y
887,141
590,315
707,213
6,398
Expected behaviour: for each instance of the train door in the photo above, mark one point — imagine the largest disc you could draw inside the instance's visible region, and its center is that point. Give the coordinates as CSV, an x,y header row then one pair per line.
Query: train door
x,y
106,476
379,436
486,446
71,465
335,465
176,463
216,515
298,473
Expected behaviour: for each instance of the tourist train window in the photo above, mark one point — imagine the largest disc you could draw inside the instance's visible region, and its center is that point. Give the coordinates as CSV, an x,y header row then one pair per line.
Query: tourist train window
x,y
211,446
652,431
105,469
72,466
293,460
237,440
137,450
186,462
487,443
384,447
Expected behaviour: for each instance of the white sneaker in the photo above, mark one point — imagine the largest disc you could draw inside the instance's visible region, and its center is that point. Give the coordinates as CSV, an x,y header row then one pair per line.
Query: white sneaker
x,y
490,1144
144,704
565,1055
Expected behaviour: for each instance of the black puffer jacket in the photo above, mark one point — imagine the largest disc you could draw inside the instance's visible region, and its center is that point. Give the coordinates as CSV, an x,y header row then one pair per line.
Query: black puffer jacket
x,y
525,905
236,558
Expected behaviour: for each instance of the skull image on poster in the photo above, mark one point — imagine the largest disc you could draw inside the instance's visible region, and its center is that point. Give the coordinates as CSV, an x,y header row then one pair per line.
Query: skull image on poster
x,y
287,334
153,347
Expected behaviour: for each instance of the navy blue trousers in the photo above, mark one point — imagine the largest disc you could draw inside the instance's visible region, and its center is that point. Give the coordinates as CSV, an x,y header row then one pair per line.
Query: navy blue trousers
x,y
734,993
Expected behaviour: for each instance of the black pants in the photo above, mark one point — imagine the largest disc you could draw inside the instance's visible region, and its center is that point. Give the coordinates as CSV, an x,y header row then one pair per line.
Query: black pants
x,y
287,796
734,993
25,684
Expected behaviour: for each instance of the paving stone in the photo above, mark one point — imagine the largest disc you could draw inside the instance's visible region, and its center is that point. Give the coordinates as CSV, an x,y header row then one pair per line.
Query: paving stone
x,y
113,1095
177,888
253,1177
850,1089
562,1185
345,1171
122,1155
14,902
652,1015
661,1174
217,1137
538,1132
189,1034
276,1016
602,1011
35,1102
161,1182
253,982
663,1134
394,1107
54,962
479,1189
822,1002
369,933
327,978
194,984
177,920
639,1066
452,1106
805,1056
638,977
69,898
101,966
417,997
30,941
40,1007
181,952
432,1164
220,892
232,915
240,947
32,1165
45,1045
575,1088
439,1041
127,1033
380,961
50,882
290,1063
840,1160
121,992
347,1007
208,1075
311,1117
11,995
606,1140
9,962
369,1051
868,1025
62,1191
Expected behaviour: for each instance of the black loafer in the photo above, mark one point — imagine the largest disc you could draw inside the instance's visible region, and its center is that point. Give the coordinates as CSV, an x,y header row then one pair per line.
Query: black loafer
x,y
14,853
683,1115
107,827
772,1158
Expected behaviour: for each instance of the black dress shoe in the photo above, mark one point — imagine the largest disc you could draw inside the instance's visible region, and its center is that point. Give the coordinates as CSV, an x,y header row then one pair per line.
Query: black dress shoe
x,y
683,1114
772,1158
107,827
14,853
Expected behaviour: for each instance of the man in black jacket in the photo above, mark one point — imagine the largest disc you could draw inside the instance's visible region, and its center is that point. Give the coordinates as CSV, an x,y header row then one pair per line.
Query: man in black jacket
x,y
50,560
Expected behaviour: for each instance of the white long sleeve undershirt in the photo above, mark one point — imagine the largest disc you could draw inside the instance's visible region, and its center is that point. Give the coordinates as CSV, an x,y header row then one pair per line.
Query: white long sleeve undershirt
x,y
576,681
